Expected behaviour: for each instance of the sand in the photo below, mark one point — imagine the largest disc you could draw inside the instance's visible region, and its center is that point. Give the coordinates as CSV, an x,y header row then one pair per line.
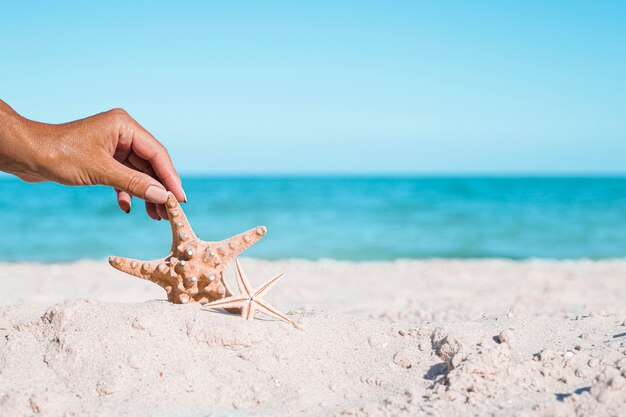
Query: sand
x,y
442,338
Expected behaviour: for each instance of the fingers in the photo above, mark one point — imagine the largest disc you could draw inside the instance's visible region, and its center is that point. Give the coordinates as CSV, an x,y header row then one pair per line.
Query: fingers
x,y
160,208
133,182
149,149
122,151
124,201
171,180
148,170
145,167
140,164
152,211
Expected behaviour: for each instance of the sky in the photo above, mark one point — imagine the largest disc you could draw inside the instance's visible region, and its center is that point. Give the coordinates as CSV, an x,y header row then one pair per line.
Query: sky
x,y
335,87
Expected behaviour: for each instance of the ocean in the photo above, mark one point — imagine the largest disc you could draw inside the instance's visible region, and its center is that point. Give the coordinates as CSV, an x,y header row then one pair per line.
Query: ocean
x,y
346,218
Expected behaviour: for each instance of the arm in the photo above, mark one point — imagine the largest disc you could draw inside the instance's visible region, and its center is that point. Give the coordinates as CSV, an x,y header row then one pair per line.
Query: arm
x,y
110,148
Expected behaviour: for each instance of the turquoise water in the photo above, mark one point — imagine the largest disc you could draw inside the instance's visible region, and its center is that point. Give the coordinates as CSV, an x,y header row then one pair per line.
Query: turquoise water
x,y
341,218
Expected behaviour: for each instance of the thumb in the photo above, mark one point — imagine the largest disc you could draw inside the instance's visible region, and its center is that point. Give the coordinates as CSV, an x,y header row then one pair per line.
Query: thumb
x,y
134,182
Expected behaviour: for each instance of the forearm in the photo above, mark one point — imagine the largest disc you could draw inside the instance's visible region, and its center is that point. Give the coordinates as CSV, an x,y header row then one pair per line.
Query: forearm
x,y
14,141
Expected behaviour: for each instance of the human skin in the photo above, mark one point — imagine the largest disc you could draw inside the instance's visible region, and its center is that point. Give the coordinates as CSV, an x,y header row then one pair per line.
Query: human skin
x,y
109,148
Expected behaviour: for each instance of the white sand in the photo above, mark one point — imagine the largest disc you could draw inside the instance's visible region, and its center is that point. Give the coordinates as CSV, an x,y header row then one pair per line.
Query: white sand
x,y
449,338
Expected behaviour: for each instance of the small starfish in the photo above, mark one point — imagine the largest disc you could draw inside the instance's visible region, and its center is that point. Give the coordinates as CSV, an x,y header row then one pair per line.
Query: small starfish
x,y
250,299
194,269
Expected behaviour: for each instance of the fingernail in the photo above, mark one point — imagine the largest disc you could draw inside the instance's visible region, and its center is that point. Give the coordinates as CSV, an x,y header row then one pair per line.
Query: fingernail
x,y
156,194
184,197
127,211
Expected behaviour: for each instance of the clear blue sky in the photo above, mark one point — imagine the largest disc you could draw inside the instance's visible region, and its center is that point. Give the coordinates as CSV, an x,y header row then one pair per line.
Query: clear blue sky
x,y
335,87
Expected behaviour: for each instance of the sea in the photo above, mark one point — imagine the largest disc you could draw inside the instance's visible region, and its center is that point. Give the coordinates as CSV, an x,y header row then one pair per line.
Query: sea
x,y
345,218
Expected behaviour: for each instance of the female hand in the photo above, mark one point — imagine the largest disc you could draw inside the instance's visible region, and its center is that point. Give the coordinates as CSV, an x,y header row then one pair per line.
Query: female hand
x,y
110,148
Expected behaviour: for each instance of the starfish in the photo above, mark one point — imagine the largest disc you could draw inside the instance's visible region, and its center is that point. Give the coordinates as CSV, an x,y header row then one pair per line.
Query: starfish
x,y
250,299
194,269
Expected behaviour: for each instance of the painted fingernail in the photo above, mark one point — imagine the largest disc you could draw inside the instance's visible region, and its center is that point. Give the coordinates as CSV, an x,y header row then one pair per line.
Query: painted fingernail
x,y
156,194
184,197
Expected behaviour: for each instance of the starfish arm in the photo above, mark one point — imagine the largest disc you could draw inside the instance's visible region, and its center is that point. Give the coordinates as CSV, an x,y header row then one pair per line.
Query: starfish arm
x,y
251,311
271,311
228,302
242,280
135,267
247,311
269,284
230,248
181,229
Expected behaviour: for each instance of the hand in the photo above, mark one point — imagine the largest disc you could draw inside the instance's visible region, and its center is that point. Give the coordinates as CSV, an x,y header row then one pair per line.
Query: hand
x,y
110,148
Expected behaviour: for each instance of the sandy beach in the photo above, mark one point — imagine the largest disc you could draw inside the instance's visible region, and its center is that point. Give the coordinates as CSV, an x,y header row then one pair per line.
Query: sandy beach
x,y
437,337
428,201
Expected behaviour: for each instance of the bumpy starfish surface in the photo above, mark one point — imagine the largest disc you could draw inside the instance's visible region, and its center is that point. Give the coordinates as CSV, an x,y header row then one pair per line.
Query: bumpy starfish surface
x,y
194,269
250,299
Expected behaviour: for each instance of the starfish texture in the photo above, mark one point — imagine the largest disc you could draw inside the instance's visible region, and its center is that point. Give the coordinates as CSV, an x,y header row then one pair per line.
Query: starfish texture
x,y
250,299
194,269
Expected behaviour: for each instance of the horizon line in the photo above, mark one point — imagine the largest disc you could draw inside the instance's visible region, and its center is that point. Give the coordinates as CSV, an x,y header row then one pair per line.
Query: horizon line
x,y
417,174
425,174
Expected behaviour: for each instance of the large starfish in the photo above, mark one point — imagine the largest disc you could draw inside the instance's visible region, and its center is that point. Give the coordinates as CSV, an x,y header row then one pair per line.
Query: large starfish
x,y
194,269
250,299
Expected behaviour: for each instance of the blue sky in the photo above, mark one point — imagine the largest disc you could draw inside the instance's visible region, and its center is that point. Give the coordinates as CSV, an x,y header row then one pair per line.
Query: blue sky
x,y
335,87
